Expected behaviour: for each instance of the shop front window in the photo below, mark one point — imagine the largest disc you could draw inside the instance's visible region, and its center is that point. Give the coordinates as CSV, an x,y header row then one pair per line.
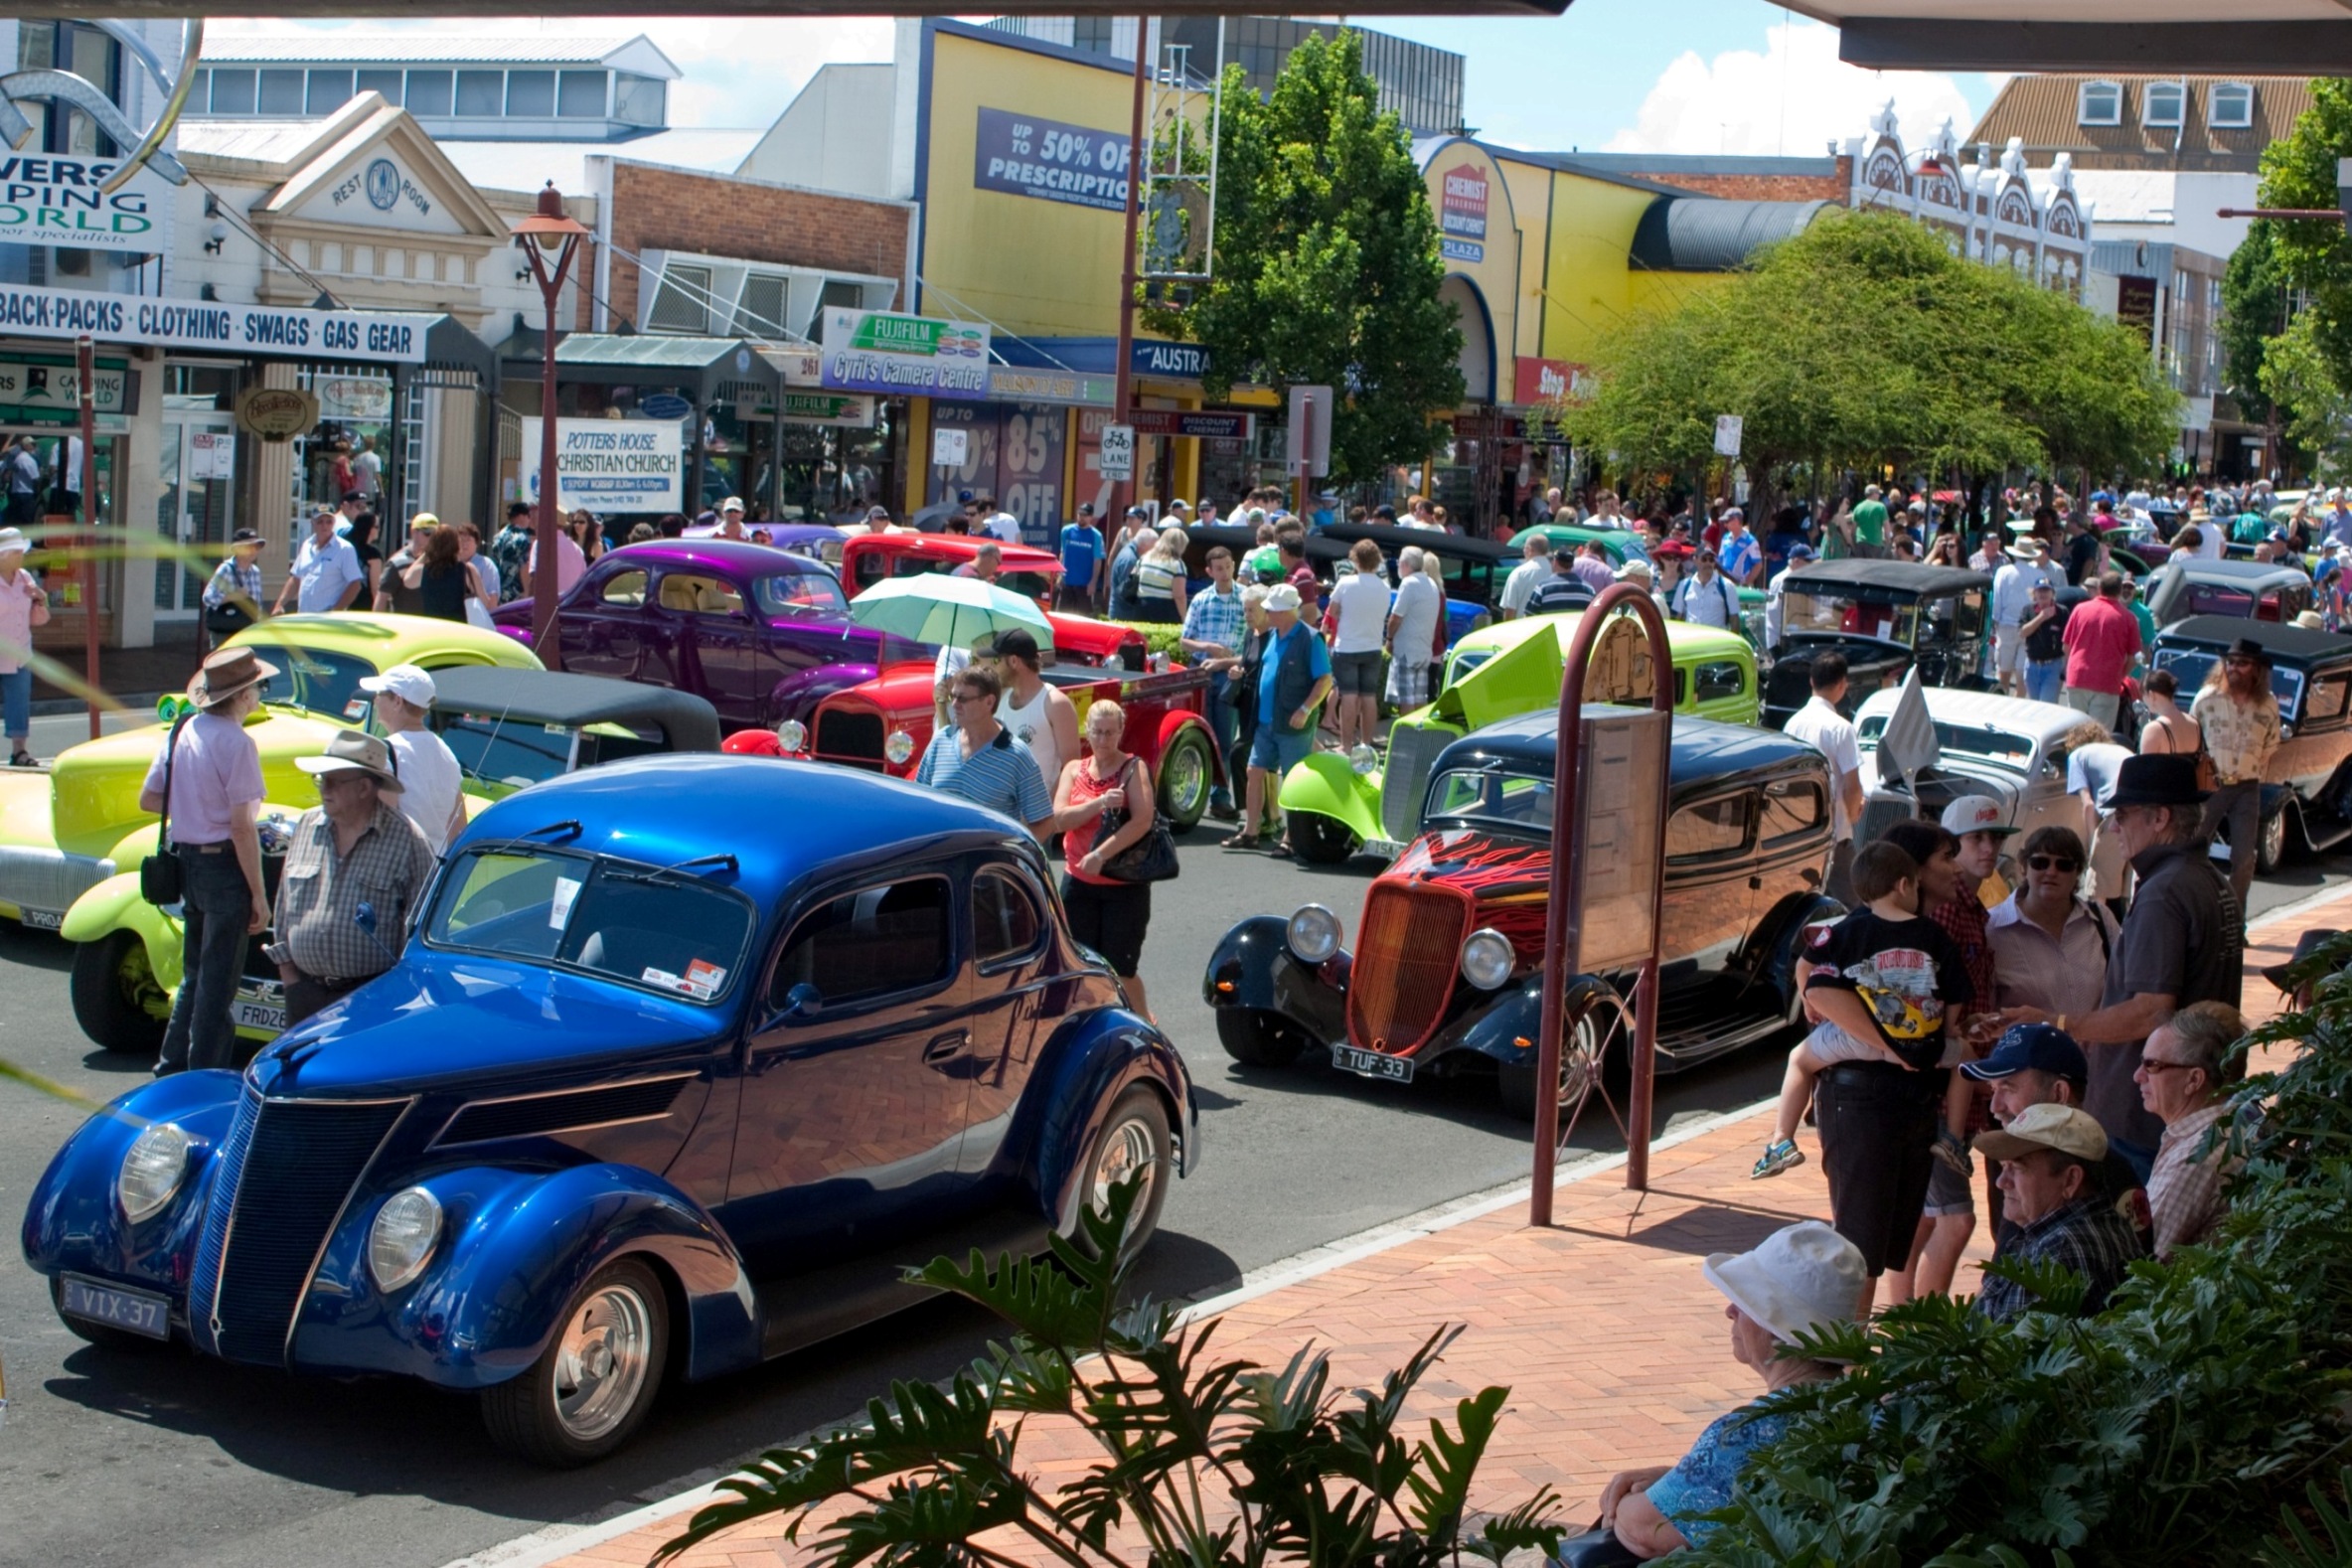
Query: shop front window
x,y
832,473
351,448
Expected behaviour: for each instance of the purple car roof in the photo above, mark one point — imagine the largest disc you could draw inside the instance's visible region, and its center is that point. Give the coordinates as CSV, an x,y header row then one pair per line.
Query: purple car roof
x,y
748,559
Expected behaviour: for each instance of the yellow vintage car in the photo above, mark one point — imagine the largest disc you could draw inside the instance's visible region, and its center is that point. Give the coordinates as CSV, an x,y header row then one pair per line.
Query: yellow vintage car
x,y
77,826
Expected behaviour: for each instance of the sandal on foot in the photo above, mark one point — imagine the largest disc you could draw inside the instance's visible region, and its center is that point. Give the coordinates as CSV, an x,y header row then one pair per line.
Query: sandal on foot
x,y
1239,841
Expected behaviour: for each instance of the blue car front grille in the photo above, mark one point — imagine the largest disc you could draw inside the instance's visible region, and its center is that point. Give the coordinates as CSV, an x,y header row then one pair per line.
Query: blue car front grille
x,y
231,1160
296,1162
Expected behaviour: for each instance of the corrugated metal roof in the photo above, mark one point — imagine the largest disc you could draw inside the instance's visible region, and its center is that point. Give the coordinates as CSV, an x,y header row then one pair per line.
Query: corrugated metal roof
x,y
526,165
264,141
2044,112
346,45
1703,233
648,349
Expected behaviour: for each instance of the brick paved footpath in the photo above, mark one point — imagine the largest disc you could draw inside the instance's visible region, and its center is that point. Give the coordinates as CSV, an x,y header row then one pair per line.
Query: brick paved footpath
x,y
1614,1346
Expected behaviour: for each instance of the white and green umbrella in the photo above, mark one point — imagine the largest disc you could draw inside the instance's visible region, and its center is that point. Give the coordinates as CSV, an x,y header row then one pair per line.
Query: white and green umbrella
x,y
952,611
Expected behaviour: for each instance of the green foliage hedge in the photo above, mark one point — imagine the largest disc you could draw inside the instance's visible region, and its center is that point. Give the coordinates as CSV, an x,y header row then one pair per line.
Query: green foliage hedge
x,y
2173,1428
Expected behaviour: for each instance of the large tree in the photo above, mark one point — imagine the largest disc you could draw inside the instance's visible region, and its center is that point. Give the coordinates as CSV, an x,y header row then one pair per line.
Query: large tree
x,y
1327,265
2256,298
1865,341
2300,170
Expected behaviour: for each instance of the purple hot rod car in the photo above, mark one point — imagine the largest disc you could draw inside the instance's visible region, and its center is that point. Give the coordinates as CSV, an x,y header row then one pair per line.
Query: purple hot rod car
x,y
763,634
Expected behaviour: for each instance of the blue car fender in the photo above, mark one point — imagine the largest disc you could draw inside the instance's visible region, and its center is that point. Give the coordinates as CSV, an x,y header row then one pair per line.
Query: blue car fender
x,y
1253,967
515,1247
72,1220
1085,1066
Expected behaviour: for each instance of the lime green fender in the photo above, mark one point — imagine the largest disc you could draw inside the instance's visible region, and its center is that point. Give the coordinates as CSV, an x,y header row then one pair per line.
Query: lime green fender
x,y
115,905
1326,785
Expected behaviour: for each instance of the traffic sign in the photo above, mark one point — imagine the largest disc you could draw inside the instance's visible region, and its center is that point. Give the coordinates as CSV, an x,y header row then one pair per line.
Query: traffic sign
x,y
1727,434
951,446
1118,451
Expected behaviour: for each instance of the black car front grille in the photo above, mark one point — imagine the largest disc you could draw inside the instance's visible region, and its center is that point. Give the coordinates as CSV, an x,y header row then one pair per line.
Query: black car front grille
x,y
855,739
300,1162
547,1113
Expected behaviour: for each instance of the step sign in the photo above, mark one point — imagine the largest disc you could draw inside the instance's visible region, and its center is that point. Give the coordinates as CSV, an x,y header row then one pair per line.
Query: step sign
x,y
1118,451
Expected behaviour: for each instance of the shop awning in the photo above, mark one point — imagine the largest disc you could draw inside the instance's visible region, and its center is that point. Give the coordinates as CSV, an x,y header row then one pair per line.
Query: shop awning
x,y
711,370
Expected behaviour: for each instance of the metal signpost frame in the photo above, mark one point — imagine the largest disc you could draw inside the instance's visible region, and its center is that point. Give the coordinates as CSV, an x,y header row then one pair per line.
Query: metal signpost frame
x,y
549,239
1565,914
86,371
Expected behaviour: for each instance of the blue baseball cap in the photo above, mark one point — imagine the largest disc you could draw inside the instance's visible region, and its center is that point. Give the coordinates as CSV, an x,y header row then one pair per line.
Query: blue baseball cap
x,y
2042,1047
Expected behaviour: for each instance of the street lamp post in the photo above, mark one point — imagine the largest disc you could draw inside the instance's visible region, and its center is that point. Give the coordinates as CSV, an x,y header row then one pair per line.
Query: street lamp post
x,y
549,238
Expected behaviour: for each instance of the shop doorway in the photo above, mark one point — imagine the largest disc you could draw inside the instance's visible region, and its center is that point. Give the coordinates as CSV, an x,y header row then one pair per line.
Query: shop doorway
x,y
193,507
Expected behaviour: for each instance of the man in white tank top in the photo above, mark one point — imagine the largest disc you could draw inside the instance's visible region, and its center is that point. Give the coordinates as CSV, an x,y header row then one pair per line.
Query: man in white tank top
x,y
1038,714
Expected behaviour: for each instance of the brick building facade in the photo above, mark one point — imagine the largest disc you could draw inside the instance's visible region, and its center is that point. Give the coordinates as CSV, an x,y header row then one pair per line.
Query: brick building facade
x,y
655,210
1735,179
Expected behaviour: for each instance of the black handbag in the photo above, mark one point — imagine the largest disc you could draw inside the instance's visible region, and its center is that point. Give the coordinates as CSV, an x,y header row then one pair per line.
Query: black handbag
x,y
1596,1547
160,880
226,619
1151,859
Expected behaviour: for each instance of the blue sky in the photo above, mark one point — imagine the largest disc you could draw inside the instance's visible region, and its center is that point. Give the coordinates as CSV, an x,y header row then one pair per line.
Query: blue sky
x,y
1654,75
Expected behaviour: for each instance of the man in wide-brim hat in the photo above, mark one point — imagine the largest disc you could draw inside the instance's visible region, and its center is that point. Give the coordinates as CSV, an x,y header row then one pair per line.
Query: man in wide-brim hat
x,y
355,869
2182,942
207,781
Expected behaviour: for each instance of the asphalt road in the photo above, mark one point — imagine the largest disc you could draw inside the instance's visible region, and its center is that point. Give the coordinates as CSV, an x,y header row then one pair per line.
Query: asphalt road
x,y
110,1457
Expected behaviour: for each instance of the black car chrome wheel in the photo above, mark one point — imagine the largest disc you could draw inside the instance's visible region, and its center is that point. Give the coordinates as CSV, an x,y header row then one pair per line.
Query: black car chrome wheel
x,y
1595,1052
1135,1142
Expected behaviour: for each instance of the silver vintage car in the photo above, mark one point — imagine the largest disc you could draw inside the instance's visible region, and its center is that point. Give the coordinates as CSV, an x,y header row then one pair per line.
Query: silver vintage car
x,y
2007,747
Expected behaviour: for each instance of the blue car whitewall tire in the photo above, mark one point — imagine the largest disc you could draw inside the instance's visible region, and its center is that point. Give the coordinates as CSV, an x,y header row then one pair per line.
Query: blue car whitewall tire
x,y
1135,1138
591,1387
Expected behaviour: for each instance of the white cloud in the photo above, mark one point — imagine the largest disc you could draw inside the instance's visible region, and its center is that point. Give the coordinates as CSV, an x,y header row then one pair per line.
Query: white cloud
x,y
1791,99
738,71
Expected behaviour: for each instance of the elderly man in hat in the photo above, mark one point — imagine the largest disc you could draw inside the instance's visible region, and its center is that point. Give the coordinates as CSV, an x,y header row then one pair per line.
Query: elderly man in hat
x,y
2238,713
233,595
1295,675
2183,942
2012,607
2050,1187
327,573
353,872
207,782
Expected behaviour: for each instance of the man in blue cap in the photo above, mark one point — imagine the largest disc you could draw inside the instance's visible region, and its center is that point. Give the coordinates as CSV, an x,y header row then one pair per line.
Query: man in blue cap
x,y
2040,1064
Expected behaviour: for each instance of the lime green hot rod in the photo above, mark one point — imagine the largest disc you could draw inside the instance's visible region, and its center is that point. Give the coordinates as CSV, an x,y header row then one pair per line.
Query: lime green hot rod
x,y
1338,805
71,835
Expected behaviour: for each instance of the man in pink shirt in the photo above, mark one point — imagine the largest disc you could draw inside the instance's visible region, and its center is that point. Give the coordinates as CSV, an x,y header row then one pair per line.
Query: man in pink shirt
x,y
2101,640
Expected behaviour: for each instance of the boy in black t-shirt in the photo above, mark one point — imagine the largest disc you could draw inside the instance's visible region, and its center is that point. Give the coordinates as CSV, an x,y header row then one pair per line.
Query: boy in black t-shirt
x,y
1907,983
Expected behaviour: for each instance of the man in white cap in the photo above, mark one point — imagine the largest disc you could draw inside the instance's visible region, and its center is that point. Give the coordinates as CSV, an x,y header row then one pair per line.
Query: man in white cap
x,y
1294,677
2338,528
1801,1278
205,780
2012,606
429,775
730,519
355,869
327,573
2050,1183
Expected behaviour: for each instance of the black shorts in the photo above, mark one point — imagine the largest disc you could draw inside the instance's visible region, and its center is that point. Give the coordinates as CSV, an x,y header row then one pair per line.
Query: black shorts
x,y
1878,1128
1111,919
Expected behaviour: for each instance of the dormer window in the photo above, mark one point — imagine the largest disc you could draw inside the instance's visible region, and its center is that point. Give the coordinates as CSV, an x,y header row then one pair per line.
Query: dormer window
x,y
2101,103
2230,106
2162,103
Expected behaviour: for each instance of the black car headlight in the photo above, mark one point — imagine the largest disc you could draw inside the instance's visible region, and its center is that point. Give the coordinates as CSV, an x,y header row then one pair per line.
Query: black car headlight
x,y
152,1170
1487,958
1312,933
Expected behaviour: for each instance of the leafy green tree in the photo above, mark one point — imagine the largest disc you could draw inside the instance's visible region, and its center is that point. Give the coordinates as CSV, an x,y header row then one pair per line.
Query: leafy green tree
x,y
1865,341
2300,170
1326,266
2256,296
2297,377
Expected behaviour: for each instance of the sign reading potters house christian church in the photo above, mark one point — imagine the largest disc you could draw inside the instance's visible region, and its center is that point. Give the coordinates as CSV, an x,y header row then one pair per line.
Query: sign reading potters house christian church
x,y
70,313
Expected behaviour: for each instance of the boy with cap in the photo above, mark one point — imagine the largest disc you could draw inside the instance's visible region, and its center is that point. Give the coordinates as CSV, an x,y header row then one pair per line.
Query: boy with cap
x,y
429,775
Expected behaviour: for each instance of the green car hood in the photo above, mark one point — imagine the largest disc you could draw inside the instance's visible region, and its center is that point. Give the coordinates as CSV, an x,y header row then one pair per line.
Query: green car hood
x,y
93,797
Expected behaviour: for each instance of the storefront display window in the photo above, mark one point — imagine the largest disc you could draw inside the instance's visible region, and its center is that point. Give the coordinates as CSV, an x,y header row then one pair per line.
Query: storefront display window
x,y
832,473
1016,453
351,448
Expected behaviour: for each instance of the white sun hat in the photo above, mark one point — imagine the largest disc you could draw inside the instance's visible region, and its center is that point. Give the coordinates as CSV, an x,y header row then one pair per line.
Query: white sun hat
x,y
1800,1276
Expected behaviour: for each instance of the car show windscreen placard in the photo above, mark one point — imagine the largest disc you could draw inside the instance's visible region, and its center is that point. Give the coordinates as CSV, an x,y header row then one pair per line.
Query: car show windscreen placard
x,y
610,465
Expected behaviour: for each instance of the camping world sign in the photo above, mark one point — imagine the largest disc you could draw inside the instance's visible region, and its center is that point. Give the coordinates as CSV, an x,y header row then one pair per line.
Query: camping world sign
x,y
54,198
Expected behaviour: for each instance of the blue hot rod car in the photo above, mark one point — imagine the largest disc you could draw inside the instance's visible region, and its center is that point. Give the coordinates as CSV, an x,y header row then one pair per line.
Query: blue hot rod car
x,y
647,1091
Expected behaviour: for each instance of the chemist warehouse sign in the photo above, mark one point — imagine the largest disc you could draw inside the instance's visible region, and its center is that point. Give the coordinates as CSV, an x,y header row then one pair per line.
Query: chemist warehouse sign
x,y
53,198
205,324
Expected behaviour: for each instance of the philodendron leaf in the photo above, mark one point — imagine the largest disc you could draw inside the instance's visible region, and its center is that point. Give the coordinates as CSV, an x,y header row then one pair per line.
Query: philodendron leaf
x,y
1443,1465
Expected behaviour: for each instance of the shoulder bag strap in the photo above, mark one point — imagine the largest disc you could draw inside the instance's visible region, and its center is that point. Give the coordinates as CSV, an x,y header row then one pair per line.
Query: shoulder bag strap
x,y
171,754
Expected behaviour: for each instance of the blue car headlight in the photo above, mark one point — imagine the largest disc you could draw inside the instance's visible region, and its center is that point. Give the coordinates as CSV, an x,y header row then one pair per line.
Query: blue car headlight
x,y
401,1242
152,1170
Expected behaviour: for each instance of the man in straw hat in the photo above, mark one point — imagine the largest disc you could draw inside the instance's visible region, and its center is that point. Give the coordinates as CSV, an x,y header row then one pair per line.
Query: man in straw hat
x,y
207,779
2050,1182
354,848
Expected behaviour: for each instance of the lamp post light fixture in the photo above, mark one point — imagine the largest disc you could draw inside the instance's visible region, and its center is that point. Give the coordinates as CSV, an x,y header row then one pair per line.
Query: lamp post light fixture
x,y
549,239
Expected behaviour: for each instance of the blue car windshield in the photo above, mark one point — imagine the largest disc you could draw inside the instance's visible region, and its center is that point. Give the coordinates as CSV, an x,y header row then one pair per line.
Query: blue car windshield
x,y
666,931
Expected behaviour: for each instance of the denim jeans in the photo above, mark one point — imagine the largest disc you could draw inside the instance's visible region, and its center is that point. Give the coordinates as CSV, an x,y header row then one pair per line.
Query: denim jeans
x,y
215,905
16,703
1217,709
2045,680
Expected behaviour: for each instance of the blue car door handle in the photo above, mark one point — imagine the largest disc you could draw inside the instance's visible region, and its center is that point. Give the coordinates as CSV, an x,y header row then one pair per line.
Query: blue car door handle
x,y
947,1047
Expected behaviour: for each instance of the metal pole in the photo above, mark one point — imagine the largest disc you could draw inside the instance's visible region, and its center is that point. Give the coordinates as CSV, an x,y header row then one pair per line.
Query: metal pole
x,y
1137,155
543,639
86,367
1564,913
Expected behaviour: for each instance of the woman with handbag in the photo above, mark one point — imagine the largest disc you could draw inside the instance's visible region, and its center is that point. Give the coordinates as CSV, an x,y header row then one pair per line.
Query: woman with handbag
x,y
441,579
1103,807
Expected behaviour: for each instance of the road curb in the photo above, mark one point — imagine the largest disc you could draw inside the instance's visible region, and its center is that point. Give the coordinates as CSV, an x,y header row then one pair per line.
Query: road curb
x,y
553,1543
